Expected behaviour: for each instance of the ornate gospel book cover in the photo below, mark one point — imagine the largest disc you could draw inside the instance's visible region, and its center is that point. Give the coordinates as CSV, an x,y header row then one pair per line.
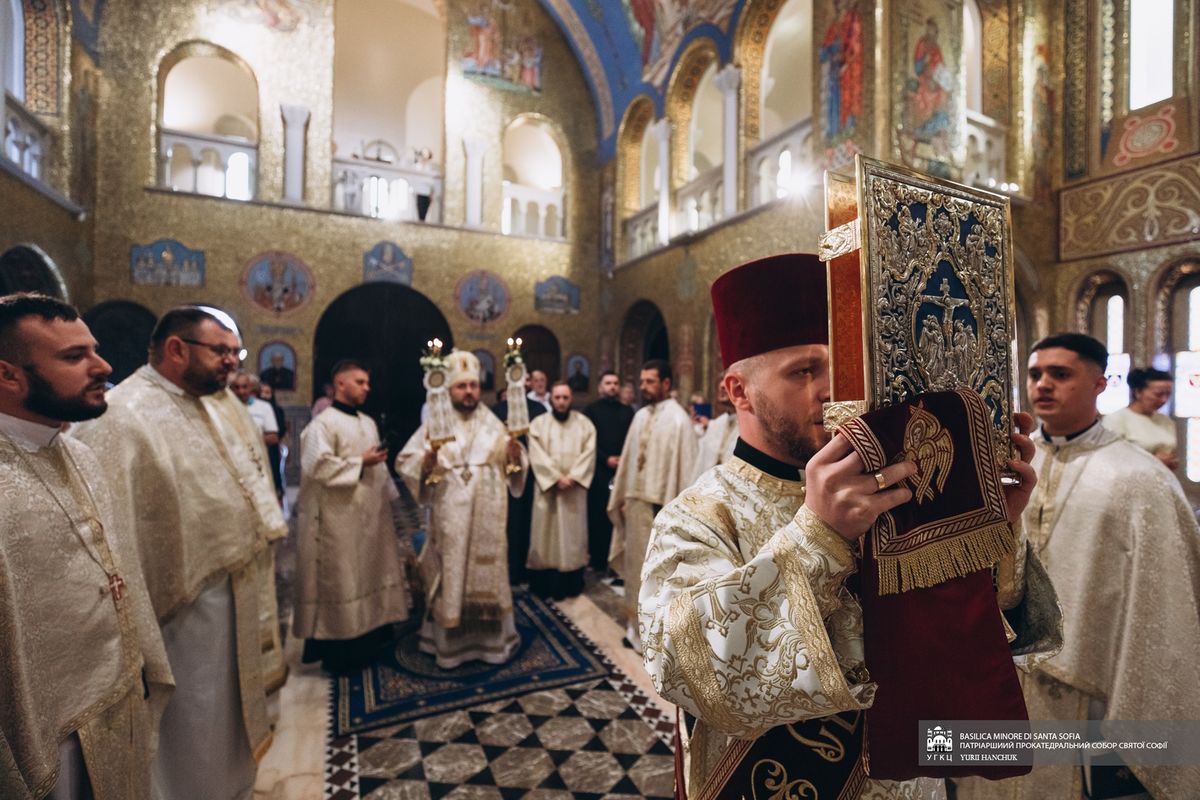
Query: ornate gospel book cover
x,y
920,292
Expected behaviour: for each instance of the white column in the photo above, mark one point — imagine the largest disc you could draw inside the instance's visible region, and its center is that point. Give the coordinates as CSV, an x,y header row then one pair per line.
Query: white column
x,y
728,80
475,147
295,122
662,132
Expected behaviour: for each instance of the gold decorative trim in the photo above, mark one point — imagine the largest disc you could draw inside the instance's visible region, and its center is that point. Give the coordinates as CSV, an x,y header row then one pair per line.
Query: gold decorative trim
x,y
1163,295
842,240
638,117
1085,298
685,79
1148,208
838,413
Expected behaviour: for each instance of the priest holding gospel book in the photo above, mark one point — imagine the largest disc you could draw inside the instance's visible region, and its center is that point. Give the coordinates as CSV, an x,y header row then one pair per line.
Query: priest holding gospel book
x,y
748,623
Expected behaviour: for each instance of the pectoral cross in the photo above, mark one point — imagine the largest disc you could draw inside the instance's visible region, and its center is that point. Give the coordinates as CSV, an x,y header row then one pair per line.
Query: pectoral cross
x,y
466,473
116,585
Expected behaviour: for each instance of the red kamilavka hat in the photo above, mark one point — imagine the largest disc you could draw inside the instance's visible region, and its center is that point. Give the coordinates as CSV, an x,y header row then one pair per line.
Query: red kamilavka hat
x,y
775,302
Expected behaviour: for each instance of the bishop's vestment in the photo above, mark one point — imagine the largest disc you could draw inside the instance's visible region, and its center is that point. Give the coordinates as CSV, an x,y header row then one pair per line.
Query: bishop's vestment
x,y
657,462
200,539
559,539
350,575
464,562
1121,544
77,633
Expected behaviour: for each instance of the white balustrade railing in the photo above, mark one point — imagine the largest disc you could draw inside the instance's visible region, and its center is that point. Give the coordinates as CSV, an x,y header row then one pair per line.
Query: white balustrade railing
x,y
220,166
26,139
641,232
698,204
776,167
530,211
387,191
986,146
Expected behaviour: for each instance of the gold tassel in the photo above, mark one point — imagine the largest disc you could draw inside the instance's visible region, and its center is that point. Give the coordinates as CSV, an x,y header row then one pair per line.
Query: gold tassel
x,y
939,562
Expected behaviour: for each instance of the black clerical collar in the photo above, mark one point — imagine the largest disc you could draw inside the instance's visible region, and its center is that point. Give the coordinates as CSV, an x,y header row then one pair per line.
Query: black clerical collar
x,y
345,409
1070,436
768,464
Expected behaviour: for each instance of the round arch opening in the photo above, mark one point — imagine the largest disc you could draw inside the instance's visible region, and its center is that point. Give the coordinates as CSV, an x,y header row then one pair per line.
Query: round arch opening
x,y
541,350
384,326
643,337
25,268
123,328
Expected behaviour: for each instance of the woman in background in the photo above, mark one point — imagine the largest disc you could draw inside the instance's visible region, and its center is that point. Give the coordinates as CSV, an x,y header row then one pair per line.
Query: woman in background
x,y
1141,423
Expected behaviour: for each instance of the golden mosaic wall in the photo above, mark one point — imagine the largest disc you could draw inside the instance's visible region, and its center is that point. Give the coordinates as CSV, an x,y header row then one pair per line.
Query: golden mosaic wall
x,y
295,67
677,280
30,217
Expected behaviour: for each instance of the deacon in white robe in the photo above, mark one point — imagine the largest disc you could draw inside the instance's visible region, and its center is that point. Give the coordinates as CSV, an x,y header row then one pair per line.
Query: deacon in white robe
x,y
83,673
350,578
1122,546
200,539
562,456
747,619
657,463
464,563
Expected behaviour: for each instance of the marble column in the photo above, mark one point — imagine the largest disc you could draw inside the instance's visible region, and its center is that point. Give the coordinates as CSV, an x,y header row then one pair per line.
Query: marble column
x,y
295,123
662,132
728,80
475,147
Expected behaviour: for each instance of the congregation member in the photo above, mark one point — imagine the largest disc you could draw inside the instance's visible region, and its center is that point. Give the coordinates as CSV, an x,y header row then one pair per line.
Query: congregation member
x,y
83,673
350,578
246,387
537,389
1122,547
717,443
656,464
562,457
1141,422
612,419
466,484
519,519
276,452
199,538
747,619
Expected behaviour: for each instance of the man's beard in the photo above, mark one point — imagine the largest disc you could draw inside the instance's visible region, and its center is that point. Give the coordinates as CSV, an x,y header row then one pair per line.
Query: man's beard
x,y
46,402
649,399
202,381
466,407
787,435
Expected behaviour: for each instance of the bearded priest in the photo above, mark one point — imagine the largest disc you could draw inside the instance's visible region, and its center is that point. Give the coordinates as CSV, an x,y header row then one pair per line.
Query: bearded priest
x,y
466,483
71,727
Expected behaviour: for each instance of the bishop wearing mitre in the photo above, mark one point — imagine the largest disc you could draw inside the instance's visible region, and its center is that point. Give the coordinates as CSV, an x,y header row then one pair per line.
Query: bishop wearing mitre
x,y
351,582
562,455
466,483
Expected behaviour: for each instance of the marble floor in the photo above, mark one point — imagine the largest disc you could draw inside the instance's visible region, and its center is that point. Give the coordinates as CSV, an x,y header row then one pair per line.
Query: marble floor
x,y
293,767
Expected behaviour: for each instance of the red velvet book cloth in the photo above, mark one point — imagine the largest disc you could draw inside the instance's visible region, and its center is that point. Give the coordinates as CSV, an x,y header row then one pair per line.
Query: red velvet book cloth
x,y
933,637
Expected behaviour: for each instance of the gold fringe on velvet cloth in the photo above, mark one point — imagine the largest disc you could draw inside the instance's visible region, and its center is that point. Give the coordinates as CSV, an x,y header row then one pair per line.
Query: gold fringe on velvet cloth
x,y
957,522
941,561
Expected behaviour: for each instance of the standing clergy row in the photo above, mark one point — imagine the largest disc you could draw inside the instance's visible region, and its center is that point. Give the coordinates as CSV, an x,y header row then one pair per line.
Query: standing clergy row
x,y
165,480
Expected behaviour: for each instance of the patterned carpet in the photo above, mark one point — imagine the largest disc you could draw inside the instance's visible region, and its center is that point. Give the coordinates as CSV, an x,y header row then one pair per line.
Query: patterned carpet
x,y
600,738
407,684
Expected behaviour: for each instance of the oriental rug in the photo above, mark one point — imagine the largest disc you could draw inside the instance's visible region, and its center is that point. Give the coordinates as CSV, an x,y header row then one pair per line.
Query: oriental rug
x,y
599,738
407,685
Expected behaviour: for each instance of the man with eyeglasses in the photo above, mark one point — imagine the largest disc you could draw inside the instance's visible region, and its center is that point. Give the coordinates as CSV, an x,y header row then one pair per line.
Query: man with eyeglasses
x,y
200,536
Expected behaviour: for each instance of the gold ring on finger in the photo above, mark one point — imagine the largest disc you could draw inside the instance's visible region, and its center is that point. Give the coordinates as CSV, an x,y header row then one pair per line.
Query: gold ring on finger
x,y
879,479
